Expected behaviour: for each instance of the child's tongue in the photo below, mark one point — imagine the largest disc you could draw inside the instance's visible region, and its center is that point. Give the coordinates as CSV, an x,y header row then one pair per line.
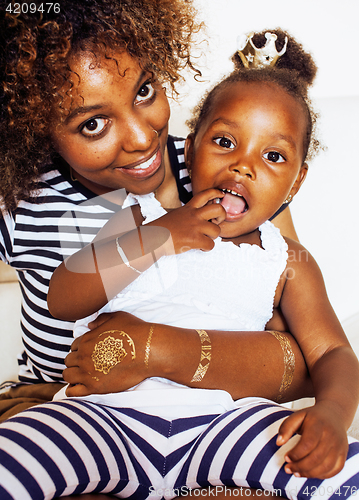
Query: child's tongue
x,y
233,204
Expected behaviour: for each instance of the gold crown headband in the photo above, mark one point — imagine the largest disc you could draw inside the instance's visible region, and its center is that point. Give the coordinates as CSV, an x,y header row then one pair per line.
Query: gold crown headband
x,y
253,57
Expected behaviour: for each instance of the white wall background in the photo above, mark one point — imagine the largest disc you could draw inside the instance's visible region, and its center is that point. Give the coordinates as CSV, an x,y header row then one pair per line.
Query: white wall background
x,y
326,209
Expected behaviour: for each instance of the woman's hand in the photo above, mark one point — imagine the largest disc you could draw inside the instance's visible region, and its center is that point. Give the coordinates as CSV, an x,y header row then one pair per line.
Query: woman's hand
x,y
196,224
323,446
119,360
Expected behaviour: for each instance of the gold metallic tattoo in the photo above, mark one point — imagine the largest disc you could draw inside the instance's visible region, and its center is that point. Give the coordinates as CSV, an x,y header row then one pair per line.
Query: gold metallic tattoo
x,y
148,346
289,362
110,352
205,355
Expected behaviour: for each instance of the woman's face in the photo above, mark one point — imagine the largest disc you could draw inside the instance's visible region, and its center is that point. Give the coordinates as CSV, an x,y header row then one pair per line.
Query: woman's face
x,y
114,130
251,148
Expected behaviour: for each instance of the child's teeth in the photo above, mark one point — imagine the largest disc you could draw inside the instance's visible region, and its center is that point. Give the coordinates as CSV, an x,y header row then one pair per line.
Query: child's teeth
x,y
232,192
146,164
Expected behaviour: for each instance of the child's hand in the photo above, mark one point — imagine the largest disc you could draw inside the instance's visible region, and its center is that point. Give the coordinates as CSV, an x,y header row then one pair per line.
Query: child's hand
x,y
323,446
195,225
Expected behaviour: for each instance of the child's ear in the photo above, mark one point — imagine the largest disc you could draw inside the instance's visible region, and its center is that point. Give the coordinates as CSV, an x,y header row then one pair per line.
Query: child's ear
x,y
299,180
188,151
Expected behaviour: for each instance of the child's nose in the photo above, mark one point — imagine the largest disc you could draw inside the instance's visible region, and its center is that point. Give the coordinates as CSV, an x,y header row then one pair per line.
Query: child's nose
x,y
244,167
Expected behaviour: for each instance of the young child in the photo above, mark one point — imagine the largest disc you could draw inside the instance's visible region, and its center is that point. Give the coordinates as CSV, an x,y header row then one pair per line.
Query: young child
x,y
247,152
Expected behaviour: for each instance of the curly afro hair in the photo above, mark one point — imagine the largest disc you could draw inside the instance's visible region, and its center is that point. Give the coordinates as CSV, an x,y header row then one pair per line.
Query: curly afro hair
x,y
294,72
34,53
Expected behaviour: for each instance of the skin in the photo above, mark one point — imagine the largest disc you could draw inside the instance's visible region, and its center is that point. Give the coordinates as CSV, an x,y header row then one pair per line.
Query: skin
x,y
252,143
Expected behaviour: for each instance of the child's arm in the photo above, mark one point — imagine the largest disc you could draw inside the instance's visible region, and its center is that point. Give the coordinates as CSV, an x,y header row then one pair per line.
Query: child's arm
x,y
333,368
88,279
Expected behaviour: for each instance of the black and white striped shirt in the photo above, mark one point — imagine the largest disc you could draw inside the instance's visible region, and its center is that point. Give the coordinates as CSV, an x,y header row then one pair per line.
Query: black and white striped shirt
x,y
35,239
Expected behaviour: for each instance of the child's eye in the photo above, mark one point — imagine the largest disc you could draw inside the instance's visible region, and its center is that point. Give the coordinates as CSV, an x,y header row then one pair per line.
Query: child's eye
x,y
146,92
274,157
94,126
224,142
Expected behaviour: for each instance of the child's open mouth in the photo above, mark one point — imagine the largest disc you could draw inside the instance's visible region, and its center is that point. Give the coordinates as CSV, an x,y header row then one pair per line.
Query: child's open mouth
x,y
233,203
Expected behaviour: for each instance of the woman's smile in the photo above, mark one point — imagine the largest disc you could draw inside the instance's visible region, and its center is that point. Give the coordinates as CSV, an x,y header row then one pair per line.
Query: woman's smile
x,y
144,169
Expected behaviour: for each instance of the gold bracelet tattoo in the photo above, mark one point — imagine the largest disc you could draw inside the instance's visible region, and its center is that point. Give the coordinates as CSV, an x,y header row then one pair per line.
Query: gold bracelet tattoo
x,y
148,346
110,352
289,362
205,355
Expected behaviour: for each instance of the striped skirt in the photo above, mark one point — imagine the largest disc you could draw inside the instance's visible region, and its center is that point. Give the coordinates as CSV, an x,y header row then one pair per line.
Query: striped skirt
x,y
74,446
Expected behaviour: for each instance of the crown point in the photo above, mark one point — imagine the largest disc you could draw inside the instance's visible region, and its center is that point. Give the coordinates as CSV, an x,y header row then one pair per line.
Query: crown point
x,y
254,57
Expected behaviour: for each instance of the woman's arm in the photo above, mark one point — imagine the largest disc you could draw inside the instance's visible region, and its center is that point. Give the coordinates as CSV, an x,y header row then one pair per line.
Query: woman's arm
x,y
242,363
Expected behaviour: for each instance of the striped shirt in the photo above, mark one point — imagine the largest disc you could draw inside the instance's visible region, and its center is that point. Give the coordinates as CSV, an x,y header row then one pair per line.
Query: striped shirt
x,y
36,238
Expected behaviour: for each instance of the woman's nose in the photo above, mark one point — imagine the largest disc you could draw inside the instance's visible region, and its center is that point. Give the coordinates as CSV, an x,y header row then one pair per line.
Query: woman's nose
x,y
138,135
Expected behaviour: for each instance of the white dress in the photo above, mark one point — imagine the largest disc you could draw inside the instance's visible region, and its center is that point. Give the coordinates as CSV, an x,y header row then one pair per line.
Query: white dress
x,y
228,288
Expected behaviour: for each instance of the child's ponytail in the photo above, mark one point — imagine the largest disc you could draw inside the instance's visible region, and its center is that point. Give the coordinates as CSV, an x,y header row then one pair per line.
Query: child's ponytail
x,y
294,57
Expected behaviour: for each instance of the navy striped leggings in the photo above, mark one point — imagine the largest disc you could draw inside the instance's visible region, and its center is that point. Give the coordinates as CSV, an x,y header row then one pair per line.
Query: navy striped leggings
x,y
73,447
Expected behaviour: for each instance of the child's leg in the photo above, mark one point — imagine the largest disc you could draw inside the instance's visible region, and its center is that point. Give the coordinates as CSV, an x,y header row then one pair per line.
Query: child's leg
x,y
238,450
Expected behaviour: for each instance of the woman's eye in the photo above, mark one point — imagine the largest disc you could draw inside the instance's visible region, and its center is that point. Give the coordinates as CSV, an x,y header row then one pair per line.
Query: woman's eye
x,y
94,126
274,157
224,142
146,92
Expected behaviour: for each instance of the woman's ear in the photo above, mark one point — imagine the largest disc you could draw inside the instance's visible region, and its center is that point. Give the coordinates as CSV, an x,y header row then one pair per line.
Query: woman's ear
x,y
188,151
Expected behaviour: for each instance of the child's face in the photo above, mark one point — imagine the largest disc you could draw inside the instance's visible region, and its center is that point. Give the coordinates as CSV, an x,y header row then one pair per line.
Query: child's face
x,y
250,147
109,134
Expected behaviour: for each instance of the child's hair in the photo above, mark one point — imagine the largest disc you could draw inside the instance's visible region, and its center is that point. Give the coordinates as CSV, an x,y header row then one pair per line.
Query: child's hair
x,y
34,51
294,72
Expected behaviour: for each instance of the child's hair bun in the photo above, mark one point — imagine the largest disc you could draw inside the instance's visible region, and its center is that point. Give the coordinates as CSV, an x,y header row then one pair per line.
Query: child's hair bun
x,y
295,58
